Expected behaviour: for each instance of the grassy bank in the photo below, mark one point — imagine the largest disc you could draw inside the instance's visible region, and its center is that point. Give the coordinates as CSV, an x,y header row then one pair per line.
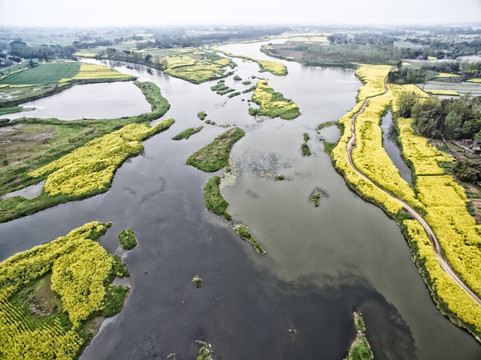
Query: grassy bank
x,y
215,155
63,152
66,282
272,104
214,201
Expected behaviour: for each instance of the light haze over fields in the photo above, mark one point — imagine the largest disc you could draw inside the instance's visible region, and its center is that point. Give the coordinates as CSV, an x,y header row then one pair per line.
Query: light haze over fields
x,y
147,12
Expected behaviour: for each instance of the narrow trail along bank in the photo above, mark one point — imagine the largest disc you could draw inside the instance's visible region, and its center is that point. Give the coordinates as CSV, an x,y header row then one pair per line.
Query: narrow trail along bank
x,y
430,233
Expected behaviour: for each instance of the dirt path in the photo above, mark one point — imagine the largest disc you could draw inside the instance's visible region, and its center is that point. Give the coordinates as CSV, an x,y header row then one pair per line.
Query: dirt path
x,y
430,233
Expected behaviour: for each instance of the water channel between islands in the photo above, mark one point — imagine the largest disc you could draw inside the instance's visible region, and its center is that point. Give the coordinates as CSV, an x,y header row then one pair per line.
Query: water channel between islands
x,y
321,264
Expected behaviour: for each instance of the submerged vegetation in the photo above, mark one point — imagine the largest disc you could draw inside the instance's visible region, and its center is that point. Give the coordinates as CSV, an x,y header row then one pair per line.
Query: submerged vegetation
x,y
127,239
49,292
272,104
215,155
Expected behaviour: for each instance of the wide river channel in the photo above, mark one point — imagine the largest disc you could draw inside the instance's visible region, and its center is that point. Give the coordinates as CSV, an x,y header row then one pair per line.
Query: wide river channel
x,y
322,263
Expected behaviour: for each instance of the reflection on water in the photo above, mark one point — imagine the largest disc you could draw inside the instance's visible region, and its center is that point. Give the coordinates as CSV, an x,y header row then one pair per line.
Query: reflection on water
x,y
390,144
91,101
322,263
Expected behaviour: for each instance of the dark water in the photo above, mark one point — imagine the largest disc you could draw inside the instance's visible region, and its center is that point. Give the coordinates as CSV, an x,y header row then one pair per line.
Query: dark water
x,y
322,263
389,137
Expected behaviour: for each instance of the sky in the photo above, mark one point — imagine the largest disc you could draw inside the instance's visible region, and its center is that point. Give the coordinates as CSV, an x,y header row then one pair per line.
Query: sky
x,y
87,13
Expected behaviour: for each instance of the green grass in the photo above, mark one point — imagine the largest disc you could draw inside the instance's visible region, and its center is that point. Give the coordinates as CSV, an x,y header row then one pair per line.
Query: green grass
x,y
187,133
237,93
10,110
215,155
306,151
127,239
272,103
315,199
45,73
202,115
214,201
242,231
360,348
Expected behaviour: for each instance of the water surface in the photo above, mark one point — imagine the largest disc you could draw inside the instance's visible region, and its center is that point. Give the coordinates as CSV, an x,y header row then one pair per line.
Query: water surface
x,y
321,264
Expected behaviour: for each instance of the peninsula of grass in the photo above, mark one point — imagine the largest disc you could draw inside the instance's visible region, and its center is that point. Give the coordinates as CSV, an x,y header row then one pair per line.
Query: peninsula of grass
x,y
237,93
50,295
128,239
187,133
77,158
360,348
202,115
272,104
215,155
214,201
242,231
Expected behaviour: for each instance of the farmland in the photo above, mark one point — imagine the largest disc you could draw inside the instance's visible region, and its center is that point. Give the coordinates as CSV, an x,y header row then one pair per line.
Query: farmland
x,y
46,79
72,141
71,278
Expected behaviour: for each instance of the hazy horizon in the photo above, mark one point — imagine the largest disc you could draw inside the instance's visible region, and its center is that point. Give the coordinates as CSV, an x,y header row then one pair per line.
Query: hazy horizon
x,y
110,13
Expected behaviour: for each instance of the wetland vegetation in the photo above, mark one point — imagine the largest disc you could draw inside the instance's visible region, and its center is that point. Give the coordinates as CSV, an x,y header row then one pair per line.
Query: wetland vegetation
x,y
186,134
77,158
51,295
272,103
215,155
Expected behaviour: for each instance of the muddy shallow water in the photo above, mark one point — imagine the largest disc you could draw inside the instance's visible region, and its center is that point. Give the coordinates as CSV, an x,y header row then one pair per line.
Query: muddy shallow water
x,y
321,264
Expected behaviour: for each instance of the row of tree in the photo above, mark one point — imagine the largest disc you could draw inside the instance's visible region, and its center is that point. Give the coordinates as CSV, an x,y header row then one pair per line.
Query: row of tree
x,y
451,119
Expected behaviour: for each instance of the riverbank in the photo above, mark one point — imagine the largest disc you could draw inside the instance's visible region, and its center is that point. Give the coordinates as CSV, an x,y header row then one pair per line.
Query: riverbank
x,y
71,139
365,180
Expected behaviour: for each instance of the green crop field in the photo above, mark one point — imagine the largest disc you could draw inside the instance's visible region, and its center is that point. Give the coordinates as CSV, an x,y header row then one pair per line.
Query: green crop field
x,y
49,73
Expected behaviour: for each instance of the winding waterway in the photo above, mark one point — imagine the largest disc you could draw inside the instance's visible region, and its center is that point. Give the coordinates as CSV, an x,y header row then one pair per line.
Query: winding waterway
x,y
321,264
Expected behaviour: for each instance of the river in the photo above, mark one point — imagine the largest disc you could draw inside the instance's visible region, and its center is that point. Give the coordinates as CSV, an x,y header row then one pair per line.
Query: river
x,y
322,263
